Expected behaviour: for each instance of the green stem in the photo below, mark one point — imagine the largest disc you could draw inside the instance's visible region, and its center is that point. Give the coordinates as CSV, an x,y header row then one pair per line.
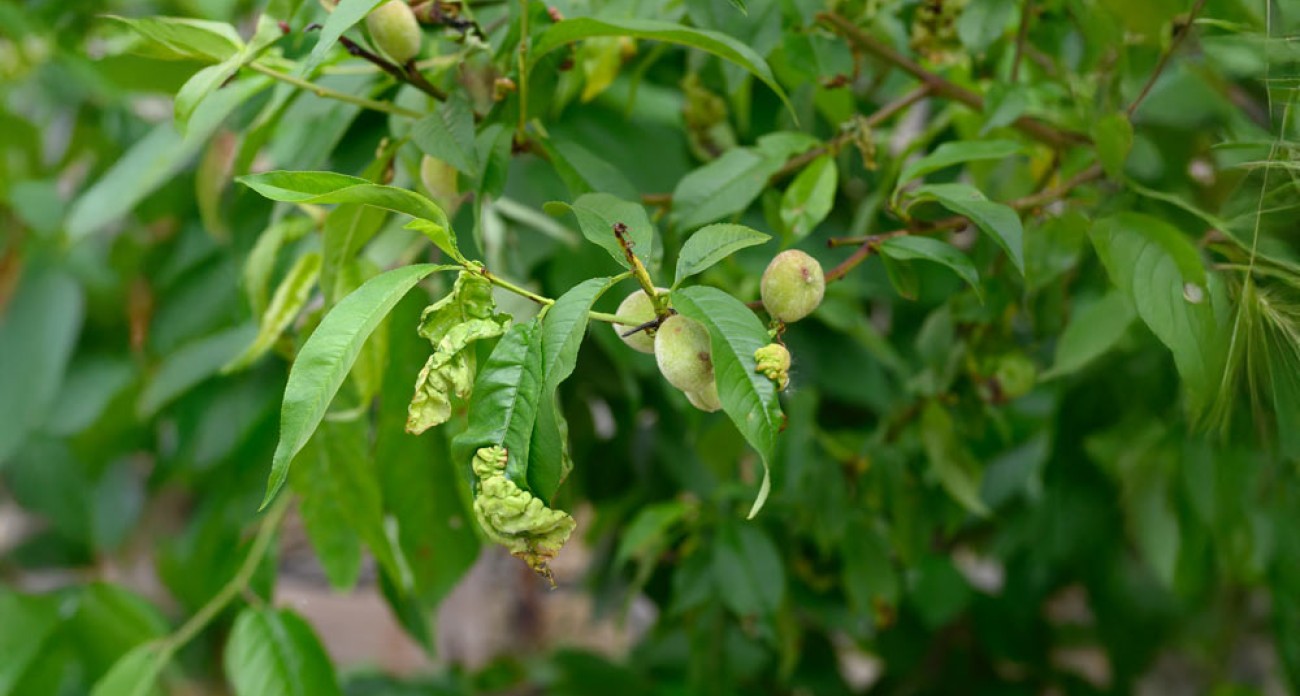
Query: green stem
x,y
236,585
546,302
327,93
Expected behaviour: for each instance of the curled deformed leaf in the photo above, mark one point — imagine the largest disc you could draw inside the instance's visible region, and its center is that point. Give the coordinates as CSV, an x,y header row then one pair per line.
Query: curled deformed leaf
x,y
515,518
452,324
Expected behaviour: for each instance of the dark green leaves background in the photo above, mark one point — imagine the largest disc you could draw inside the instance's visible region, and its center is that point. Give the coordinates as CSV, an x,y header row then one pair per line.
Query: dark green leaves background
x,y
1058,434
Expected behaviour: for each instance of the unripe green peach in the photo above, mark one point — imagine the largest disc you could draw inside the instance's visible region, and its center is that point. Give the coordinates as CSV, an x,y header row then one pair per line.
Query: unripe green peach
x,y
792,286
440,180
639,307
1016,375
395,31
682,351
706,399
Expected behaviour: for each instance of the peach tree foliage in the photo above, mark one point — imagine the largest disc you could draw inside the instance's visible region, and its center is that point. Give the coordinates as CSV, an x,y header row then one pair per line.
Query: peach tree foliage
x,y
800,316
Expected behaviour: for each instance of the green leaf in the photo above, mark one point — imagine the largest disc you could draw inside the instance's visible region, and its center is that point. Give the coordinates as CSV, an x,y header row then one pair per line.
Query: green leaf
x,y
276,652
984,22
725,186
1092,332
327,357
954,153
287,302
135,674
563,328
748,397
152,161
911,247
260,263
346,474
28,621
950,462
346,14
109,621
711,244
38,333
448,134
1161,273
808,199
322,507
187,38
869,575
999,221
1113,134
597,214
503,409
648,532
190,365
721,45
347,229
329,187
747,570
1003,106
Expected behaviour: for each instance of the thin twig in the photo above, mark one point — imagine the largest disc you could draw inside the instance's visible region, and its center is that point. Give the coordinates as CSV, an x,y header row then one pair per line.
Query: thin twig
x,y
1022,36
1032,127
408,73
327,93
1164,58
866,245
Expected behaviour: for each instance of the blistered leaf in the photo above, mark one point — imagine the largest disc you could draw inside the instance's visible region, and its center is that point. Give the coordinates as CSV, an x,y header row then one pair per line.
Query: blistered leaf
x,y
452,324
513,517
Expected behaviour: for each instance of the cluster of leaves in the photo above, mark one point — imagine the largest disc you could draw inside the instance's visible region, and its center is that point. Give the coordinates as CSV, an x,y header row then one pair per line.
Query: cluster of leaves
x,y
1058,358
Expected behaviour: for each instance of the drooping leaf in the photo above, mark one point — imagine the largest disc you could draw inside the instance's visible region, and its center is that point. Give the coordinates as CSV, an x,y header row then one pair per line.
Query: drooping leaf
x,y
950,462
187,38
287,302
1113,134
748,571
598,213
514,517
999,221
912,247
749,398
346,14
1091,333
275,652
327,357
563,328
503,408
38,333
711,244
721,45
808,199
329,187
135,674
452,324
152,161
448,134
29,620
954,153
189,365
1160,271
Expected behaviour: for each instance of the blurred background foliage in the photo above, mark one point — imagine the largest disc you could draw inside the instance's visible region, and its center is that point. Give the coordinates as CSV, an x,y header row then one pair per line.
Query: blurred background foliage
x,y
1013,496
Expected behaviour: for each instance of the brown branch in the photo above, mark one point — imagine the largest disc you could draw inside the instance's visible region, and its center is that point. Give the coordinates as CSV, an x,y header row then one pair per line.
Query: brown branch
x,y
1164,58
868,244
941,87
408,73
